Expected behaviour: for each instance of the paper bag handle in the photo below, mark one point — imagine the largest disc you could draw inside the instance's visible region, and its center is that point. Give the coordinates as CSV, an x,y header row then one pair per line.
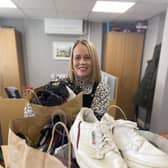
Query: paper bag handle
x,y
69,143
58,111
34,94
120,109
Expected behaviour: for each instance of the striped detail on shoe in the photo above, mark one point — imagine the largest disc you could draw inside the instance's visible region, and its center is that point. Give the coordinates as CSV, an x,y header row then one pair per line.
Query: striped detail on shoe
x,y
78,135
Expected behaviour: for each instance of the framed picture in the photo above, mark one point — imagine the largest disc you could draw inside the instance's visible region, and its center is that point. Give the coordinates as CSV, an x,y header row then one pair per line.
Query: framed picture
x,y
62,50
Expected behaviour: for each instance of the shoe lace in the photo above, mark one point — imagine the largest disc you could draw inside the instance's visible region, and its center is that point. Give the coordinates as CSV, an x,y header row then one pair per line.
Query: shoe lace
x,y
105,140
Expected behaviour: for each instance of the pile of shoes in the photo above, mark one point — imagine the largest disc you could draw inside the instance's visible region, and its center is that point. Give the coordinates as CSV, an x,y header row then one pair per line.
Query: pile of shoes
x,y
54,142
60,137
110,143
54,93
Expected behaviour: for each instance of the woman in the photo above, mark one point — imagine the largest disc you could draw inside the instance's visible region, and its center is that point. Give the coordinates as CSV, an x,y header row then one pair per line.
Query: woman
x,y
84,72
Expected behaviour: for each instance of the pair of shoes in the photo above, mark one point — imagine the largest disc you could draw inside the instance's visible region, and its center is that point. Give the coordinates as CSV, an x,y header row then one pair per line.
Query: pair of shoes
x,y
97,143
93,143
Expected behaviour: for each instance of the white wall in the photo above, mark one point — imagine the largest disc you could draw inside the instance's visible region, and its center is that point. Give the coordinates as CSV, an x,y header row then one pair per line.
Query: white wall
x,y
38,61
158,33
160,105
96,36
153,37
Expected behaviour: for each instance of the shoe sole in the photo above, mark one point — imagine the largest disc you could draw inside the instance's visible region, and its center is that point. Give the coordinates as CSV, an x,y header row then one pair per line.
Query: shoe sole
x,y
133,164
83,161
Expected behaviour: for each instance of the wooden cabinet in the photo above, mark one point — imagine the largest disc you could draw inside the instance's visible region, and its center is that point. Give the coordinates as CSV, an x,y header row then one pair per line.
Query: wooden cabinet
x,y
123,54
11,59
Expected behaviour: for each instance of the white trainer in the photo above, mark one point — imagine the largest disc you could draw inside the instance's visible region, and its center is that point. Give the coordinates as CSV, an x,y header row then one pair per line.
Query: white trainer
x,y
137,151
92,142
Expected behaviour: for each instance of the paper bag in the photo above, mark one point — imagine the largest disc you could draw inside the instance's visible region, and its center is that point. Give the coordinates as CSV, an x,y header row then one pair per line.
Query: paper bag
x,y
10,109
20,155
71,108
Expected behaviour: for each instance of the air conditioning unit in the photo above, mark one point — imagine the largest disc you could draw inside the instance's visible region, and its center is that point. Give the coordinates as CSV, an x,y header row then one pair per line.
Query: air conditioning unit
x,y
63,26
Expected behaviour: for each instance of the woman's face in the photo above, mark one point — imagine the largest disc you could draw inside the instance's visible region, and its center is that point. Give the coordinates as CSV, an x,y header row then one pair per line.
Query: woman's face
x,y
82,62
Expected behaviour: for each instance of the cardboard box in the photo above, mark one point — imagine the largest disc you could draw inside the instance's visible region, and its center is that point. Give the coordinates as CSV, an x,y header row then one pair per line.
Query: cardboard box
x,y
10,109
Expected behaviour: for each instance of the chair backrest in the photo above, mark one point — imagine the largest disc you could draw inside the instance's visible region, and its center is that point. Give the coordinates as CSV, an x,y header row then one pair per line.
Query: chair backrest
x,y
12,92
112,81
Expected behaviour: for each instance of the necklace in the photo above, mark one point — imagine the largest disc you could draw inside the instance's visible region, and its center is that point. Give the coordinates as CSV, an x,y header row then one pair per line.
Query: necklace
x,y
85,85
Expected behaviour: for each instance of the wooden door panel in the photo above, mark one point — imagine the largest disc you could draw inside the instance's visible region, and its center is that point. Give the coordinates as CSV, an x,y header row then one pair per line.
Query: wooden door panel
x,y
113,53
123,53
132,60
125,102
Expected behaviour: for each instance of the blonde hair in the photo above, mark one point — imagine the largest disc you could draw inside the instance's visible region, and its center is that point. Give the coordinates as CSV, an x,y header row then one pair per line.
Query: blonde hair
x,y
95,76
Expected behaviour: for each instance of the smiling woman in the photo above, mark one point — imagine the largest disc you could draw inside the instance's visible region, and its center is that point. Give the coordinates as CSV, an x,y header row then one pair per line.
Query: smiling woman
x,y
82,62
84,72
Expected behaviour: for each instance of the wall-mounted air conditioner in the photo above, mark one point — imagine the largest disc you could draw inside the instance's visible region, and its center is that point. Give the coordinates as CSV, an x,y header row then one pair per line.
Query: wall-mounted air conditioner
x,y
63,26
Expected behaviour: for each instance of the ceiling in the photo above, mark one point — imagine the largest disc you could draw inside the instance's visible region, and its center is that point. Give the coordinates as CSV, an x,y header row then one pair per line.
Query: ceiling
x,y
81,9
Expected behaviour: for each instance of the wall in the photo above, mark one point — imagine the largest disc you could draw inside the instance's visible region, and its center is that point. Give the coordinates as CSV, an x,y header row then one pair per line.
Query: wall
x,y
158,33
37,50
153,36
160,106
96,36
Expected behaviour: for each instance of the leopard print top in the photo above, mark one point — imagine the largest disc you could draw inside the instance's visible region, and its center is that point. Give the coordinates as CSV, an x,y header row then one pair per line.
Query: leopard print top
x,y
101,99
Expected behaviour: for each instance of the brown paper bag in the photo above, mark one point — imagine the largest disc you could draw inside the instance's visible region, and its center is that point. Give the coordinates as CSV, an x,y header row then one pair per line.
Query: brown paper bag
x,y
20,155
10,109
71,108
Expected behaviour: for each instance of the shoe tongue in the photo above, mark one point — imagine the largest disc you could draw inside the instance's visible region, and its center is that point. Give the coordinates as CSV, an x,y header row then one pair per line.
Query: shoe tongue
x,y
88,115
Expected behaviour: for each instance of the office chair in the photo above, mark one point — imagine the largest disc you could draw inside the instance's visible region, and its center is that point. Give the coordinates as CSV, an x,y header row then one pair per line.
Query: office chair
x,y
12,92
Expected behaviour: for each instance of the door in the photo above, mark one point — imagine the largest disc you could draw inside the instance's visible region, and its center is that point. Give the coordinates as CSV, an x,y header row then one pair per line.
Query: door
x,y
123,53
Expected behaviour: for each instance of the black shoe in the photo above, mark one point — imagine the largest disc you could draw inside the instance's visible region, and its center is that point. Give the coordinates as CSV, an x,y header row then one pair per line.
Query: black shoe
x,y
60,137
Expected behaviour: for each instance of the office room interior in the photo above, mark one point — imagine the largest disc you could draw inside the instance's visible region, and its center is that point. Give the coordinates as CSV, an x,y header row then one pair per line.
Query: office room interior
x,y
30,17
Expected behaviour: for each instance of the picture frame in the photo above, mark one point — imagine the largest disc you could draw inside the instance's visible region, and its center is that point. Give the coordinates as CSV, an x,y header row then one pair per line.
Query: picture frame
x,y
62,50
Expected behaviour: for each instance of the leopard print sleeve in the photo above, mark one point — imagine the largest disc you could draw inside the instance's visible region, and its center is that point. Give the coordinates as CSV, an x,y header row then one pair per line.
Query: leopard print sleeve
x,y
101,99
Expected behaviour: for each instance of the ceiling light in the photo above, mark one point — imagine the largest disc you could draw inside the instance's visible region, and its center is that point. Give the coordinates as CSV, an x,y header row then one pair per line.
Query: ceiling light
x,y
112,6
7,4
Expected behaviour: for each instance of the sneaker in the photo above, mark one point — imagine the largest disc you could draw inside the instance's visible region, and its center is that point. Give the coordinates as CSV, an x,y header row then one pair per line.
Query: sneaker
x,y
92,142
137,151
